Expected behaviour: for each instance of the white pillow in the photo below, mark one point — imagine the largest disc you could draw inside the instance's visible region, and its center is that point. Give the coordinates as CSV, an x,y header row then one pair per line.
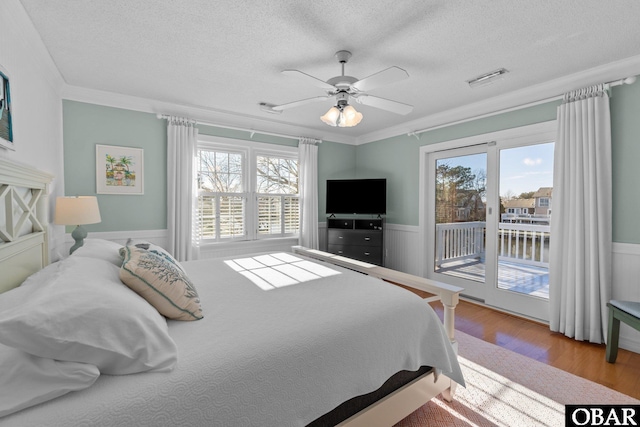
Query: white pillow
x,y
84,313
26,380
100,248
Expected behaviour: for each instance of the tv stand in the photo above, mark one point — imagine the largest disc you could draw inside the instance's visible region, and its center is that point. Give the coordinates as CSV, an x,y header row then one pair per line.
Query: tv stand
x,y
357,238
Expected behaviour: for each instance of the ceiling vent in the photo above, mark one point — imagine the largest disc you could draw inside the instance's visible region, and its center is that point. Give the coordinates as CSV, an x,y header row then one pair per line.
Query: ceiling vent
x,y
488,78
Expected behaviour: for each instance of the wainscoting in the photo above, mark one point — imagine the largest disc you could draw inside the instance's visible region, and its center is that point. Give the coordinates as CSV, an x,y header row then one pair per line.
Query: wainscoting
x,y
401,252
161,238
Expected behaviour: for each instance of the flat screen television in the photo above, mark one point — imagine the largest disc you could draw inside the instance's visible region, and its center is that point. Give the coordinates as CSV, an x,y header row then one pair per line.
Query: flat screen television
x,y
356,196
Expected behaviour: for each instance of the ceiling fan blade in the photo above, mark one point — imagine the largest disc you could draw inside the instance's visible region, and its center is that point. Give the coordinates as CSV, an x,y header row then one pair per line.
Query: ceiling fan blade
x,y
299,103
313,80
384,77
384,104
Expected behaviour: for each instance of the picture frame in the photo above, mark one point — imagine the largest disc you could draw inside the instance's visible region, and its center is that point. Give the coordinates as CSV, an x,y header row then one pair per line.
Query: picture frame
x,y
119,170
6,112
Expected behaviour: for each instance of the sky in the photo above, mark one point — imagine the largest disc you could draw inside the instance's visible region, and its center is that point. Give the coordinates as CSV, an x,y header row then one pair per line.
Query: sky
x,y
526,168
522,169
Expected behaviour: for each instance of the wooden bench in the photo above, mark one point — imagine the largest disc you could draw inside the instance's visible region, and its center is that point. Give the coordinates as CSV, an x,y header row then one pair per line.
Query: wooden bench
x,y
629,313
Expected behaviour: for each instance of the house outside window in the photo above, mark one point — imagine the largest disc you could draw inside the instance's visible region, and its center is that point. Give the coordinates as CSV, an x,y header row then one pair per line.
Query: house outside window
x,y
246,191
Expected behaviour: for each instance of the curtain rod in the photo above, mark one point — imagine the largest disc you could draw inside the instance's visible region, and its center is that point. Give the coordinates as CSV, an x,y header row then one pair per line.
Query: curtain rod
x,y
251,131
620,82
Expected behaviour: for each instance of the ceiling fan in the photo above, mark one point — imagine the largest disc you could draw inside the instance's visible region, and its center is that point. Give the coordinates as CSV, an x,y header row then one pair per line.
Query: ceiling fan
x,y
344,88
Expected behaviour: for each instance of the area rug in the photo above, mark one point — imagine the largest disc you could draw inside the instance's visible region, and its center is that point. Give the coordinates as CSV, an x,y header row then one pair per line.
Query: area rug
x,y
507,389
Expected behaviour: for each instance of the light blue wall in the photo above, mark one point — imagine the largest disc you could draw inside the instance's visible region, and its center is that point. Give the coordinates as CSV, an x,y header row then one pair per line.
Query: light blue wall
x,y
397,159
85,125
625,151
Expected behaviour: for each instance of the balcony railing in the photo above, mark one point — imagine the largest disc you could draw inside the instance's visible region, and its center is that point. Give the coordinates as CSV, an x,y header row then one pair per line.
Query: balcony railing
x,y
520,243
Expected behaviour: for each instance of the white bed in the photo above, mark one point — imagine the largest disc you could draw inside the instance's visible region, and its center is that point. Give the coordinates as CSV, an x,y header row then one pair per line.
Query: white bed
x,y
268,351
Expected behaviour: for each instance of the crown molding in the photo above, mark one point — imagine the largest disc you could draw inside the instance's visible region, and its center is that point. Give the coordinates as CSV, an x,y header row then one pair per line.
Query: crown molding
x,y
492,106
205,116
532,94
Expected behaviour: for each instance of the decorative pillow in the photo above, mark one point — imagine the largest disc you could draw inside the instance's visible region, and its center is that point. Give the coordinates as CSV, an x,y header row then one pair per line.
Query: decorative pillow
x,y
159,279
102,249
151,247
83,313
26,380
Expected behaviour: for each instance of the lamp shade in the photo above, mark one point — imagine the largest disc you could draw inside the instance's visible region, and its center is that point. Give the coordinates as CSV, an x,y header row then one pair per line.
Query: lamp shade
x,y
349,117
77,210
331,116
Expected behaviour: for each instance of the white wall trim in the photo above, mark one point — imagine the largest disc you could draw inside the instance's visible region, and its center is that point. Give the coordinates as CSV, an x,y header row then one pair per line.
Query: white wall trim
x,y
626,248
492,106
217,250
402,227
205,116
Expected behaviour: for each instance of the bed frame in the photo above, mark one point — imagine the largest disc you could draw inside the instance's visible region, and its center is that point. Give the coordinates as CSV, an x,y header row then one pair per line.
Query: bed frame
x,y
397,405
24,217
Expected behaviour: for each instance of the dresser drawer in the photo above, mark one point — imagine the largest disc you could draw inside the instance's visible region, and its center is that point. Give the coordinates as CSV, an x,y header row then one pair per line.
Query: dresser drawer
x,y
361,253
340,223
354,237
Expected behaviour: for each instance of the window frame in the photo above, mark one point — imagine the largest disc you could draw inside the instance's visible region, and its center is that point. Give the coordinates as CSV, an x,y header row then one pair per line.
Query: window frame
x,y
250,151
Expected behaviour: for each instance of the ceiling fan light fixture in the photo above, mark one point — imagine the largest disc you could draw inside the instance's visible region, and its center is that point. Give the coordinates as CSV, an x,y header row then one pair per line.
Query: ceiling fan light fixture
x,y
349,117
331,117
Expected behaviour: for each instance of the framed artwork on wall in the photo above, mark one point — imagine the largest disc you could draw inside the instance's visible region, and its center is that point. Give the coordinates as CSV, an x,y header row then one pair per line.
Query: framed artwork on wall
x,y
119,170
6,129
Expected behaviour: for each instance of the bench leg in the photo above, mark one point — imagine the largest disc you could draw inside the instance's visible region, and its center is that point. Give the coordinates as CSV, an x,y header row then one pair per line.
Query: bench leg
x,y
612,337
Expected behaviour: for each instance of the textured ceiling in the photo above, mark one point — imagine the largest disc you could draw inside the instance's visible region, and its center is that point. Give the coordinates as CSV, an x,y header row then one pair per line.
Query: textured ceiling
x,y
227,56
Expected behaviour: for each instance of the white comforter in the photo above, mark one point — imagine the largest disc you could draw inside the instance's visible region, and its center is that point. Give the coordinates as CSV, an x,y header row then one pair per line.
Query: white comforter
x,y
279,357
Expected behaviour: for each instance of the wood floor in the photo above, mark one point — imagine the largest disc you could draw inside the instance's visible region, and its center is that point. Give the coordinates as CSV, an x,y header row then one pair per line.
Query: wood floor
x,y
536,341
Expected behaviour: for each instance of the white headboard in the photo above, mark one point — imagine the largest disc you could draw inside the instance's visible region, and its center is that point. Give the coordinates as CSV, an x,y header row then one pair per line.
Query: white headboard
x,y
24,217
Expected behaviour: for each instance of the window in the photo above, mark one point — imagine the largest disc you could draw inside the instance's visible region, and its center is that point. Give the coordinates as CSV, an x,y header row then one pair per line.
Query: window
x,y
543,202
247,193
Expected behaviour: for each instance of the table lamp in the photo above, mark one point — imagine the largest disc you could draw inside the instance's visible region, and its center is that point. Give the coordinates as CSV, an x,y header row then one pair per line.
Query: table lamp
x,y
77,210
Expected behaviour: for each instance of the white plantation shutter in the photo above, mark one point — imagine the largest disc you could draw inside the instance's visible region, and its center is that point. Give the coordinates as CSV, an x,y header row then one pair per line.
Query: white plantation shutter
x,y
232,216
269,213
291,215
207,216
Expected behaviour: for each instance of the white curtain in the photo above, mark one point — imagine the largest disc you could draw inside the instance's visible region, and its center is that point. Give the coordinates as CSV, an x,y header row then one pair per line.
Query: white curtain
x,y
308,164
581,236
182,143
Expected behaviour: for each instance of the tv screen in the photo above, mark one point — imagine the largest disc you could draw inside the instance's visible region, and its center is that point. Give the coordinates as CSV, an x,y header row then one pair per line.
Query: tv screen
x,y
357,196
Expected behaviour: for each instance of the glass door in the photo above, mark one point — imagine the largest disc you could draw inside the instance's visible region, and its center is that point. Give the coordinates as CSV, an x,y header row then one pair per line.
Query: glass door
x,y
488,211
521,232
458,213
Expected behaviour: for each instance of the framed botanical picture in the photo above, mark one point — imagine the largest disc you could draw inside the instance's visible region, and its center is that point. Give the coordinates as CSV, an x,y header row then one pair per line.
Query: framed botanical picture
x,y
6,130
119,170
